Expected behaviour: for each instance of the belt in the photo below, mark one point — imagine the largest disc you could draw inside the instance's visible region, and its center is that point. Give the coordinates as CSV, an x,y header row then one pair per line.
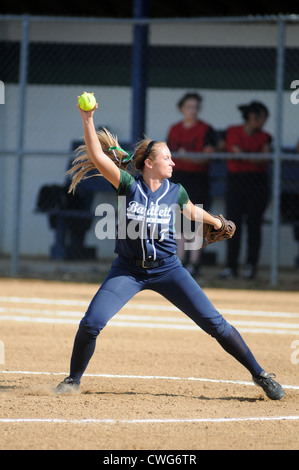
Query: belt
x,y
146,264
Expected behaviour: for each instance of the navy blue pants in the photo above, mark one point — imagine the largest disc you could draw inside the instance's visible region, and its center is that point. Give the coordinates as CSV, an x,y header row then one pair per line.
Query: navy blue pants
x,y
173,282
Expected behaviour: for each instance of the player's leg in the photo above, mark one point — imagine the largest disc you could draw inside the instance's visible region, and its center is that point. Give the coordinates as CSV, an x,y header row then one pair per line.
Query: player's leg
x,y
235,208
201,195
184,292
257,200
118,288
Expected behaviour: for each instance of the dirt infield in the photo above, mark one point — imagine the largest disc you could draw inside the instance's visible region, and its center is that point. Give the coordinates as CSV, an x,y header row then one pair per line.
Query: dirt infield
x,y
155,381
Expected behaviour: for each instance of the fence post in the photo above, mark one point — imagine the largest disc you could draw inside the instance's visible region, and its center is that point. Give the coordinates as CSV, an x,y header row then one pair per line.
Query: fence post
x,y
277,151
20,148
139,70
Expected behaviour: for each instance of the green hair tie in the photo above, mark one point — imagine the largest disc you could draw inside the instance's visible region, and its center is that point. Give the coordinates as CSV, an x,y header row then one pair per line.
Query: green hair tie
x,y
125,159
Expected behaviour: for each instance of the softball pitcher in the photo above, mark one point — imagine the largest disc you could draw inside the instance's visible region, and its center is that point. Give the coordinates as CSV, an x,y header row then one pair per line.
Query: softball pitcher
x,y
148,260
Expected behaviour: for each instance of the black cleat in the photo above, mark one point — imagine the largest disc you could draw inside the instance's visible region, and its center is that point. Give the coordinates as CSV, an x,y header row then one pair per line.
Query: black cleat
x,y
68,385
273,389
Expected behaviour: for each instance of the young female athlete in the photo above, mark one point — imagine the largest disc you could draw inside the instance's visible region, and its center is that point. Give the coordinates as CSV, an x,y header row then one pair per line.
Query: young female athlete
x,y
148,261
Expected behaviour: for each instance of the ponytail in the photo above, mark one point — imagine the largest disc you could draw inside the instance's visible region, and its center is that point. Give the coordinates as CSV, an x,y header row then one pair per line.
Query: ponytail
x,y
82,164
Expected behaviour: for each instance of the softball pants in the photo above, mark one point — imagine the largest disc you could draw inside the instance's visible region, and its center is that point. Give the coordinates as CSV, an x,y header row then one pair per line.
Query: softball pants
x,y
173,282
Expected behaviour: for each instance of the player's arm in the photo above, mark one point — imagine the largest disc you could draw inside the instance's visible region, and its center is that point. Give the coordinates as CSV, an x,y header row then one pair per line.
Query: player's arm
x,y
193,212
103,163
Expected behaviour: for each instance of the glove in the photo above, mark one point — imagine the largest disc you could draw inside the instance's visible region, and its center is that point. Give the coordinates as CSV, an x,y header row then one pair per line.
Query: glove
x,y
226,231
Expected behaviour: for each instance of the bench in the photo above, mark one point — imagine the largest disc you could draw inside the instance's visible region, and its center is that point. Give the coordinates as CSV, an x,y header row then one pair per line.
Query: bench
x,y
71,216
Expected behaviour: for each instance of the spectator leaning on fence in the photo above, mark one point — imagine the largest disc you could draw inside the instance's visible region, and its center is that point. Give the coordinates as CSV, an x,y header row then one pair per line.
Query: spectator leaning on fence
x,y
247,187
192,135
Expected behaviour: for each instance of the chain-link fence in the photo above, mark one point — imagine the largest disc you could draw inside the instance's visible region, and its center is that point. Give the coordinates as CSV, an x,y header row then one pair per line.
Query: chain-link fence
x,y
244,160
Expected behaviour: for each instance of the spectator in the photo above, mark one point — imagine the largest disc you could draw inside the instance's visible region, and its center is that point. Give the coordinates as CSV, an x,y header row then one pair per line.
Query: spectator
x,y
247,187
192,135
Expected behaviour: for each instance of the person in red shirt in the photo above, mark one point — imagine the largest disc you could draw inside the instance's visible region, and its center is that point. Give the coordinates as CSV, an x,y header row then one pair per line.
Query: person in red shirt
x,y
192,135
247,187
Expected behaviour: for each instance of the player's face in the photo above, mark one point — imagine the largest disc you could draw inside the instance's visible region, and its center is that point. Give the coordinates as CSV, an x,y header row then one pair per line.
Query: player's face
x,y
190,109
163,165
257,121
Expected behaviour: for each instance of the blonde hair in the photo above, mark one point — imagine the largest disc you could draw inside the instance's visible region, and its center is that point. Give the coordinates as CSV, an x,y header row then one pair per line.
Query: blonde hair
x,y
145,148
82,164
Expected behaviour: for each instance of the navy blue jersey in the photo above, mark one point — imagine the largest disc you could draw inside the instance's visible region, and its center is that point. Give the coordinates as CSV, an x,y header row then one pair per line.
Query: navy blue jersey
x,y
146,219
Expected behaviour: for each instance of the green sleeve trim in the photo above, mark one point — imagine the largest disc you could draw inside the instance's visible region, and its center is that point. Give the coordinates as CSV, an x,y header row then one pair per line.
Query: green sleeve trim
x,y
125,182
183,197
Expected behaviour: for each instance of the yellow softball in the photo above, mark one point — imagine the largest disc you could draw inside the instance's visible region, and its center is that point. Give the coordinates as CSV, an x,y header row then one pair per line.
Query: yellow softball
x,y
87,101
